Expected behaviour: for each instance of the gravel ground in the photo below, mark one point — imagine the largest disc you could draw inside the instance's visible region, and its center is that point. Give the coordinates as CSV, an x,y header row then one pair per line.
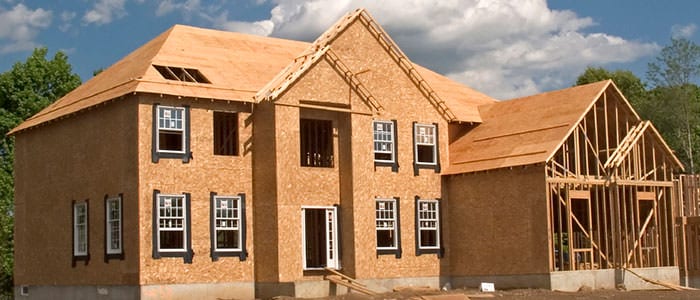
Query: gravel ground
x,y
535,294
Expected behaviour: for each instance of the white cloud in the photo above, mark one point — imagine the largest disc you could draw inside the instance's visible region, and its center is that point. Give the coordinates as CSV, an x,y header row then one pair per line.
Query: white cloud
x,y
683,31
104,12
20,25
66,18
501,47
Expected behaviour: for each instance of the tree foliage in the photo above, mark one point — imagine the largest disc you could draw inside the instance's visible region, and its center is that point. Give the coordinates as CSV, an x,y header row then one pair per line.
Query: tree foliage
x,y
671,102
677,98
24,90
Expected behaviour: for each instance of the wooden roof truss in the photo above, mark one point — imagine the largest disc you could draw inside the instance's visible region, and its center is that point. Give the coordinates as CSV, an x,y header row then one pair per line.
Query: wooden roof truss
x,y
610,188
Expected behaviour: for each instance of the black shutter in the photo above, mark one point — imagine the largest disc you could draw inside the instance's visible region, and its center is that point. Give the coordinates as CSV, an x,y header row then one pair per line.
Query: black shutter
x,y
154,214
188,230
418,250
415,158
212,227
437,149
398,227
188,155
395,165
244,253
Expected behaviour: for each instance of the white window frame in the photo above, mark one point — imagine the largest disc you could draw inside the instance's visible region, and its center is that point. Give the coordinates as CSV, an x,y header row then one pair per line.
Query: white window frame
x,y
237,220
429,220
168,125
332,234
183,226
381,223
423,138
77,226
380,136
109,221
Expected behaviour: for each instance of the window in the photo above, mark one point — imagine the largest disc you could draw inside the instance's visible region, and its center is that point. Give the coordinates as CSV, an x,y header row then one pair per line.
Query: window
x,y
113,228
228,226
388,226
171,132
427,226
80,232
181,74
171,226
425,149
385,144
316,141
225,133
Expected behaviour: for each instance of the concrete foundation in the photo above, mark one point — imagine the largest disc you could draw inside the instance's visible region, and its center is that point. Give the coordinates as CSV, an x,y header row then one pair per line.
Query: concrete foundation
x,y
503,281
611,279
76,292
228,290
324,288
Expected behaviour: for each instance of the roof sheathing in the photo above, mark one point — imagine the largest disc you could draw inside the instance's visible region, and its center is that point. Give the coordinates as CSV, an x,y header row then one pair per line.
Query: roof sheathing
x,y
522,131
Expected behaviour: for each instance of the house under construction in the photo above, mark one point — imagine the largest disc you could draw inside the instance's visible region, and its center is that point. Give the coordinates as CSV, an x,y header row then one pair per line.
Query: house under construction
x,y
210,164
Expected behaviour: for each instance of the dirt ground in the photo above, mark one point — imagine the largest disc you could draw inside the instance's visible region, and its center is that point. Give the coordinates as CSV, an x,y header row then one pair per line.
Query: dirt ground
x,y
530,294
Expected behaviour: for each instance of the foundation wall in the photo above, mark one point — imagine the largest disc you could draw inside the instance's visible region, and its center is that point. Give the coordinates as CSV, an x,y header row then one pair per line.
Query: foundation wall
x,y
81,158
498,223
613,278
203,174
115,292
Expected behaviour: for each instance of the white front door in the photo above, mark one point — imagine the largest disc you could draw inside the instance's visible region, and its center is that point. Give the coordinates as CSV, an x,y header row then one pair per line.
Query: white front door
x,y
320,237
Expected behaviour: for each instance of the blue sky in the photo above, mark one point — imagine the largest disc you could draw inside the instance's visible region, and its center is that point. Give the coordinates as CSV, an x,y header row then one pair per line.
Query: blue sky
x,y
503,48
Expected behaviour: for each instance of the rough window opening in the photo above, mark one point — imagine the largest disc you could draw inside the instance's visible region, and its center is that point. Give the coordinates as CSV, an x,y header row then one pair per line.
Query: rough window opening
x,y
181,74
225,133
316,143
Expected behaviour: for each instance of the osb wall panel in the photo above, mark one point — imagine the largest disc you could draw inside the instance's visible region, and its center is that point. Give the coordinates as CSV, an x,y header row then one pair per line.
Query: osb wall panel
x,y
402,101
360,182
498,222
265,190
205,173
82,157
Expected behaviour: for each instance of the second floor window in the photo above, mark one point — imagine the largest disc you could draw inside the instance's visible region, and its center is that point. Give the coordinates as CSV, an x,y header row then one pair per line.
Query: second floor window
x,y
316,143
384,143
171,129
225,133
425,144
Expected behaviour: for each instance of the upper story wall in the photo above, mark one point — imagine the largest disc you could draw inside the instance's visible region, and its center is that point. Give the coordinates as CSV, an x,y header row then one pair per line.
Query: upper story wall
x,y
82,158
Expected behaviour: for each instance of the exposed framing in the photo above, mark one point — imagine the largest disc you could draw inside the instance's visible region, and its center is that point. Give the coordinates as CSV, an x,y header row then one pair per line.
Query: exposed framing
x,y
610,193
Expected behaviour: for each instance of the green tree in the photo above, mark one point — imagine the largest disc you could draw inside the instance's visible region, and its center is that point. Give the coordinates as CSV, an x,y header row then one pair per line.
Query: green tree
x,y
24,90
629,84
671,77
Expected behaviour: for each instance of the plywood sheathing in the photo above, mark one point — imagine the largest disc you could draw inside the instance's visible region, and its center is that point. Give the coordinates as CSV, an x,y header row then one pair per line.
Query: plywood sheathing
x,y
522,131
86,159
458,98
237,65
497,227
205,173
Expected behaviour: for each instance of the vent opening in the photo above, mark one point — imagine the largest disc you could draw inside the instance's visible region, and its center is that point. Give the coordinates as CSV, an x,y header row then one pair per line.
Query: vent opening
x,y
181,74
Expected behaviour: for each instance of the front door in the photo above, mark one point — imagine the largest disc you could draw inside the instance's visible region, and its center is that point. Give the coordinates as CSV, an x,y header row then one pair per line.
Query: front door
x,y
320,237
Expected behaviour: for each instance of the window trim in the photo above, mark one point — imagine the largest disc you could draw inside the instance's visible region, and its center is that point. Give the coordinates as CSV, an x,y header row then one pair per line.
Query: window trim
x,y
438,249
110,253
80,256
186,252
157,154
396,250
394,164
436,150
241,252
